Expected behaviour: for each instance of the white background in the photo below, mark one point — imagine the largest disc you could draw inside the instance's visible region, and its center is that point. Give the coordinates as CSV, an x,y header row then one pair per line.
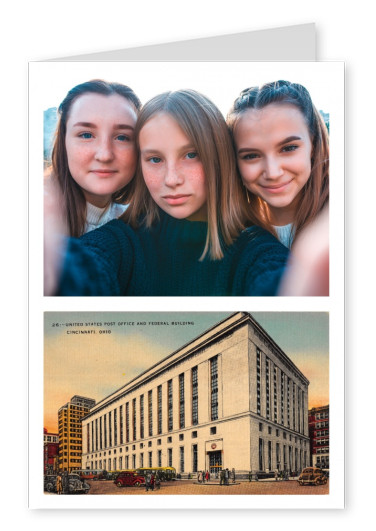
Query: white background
x,y
40,30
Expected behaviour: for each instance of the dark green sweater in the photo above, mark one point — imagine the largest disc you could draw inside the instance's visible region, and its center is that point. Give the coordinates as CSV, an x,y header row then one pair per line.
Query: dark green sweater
x,y
164,260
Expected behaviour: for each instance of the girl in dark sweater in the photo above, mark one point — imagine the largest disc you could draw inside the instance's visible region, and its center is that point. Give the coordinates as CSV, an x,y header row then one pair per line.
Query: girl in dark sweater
x,y
184,232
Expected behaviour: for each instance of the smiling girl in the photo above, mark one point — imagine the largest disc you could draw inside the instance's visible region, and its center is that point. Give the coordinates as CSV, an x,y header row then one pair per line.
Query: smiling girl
x,y
282,151
184,230
94,156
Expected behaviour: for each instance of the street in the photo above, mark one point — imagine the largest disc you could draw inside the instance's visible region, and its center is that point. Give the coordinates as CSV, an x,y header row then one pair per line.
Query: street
x,y
192,487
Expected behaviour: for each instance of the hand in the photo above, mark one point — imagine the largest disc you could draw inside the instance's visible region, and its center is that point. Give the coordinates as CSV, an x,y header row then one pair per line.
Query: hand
x,y
55,235
308,271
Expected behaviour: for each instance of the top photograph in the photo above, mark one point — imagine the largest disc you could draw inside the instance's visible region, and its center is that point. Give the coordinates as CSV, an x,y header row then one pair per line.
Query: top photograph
x,y
187,179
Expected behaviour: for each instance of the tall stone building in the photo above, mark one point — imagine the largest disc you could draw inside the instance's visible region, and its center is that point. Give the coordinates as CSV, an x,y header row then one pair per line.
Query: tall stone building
x,y
70,432
231,398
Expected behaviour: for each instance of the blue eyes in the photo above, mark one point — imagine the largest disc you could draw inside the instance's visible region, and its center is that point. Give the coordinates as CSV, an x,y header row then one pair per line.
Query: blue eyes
x,y
85,136
89,136
156,160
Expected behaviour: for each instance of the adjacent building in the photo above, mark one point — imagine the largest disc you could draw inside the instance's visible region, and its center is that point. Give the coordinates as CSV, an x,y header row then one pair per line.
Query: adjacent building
x,y
70,432
318,420
50,452
231,398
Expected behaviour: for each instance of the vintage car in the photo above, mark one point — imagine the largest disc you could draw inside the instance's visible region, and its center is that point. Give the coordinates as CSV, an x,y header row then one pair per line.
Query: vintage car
x,y
312,476
75,484
129,479
50,483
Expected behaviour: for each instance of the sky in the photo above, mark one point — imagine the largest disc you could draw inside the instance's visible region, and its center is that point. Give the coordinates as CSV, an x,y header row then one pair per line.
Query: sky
x,y
220,81
96,364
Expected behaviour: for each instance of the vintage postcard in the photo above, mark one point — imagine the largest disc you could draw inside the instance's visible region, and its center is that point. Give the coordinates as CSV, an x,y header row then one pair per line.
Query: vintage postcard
x,y
215,409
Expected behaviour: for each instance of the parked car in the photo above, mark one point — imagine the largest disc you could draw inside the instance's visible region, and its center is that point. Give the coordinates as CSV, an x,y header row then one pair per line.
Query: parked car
x,y
312,476
129,479
50,483
75,484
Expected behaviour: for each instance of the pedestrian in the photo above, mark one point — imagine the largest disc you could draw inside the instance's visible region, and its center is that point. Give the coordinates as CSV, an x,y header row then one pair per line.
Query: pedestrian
x,y
207,476
233,475
222,477
199,477
203,476
59,484
157,482
276,475
147,482
152,481
227,474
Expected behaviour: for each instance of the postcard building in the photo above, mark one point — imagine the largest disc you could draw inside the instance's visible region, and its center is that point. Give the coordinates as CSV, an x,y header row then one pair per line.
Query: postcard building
x,y
318,426
231,398
70,432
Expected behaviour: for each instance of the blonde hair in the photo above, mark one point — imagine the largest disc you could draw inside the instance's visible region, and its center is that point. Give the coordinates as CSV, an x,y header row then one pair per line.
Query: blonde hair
x,y
202,122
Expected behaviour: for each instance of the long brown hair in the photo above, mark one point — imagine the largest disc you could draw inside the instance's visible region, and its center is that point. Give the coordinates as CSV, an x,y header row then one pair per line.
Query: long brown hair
x,y
315,193
202,122
73,196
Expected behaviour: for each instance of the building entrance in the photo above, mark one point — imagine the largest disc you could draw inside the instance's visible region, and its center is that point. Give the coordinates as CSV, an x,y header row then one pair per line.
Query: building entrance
x,y
215,464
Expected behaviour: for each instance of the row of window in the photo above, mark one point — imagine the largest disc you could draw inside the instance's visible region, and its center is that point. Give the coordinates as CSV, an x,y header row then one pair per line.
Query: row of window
x,y
104,432
280,456
291,396
144,460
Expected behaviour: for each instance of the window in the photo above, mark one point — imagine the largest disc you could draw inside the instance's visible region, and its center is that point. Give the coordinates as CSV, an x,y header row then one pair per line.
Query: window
x,y
142,416
127,422
134,419
261,454
260,426
169,452
214,387
109,429
150,459
269,455
258,380
195,459
181,458
267,387
169,405
150,407
213,430
181,402
194,396
159,457
121,424
282,398
181,437
115,427
194,434
159,397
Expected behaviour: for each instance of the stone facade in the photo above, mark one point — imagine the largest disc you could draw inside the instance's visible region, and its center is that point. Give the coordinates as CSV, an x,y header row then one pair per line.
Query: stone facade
x,y
230,399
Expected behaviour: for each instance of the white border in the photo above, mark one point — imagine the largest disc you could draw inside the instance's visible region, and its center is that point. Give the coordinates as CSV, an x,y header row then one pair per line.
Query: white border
x,y
44,77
